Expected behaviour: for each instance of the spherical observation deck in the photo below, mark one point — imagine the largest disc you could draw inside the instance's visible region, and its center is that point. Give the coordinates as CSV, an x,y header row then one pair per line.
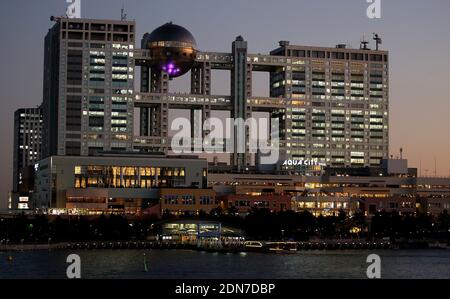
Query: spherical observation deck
x,y
173,49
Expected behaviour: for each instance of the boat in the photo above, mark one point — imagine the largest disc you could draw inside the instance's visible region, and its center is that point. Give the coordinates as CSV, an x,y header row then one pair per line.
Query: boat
x,y
281,247
254,246
438,245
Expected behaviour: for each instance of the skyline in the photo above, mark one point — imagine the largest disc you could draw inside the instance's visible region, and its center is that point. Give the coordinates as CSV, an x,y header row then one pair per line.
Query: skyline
x,y
405,121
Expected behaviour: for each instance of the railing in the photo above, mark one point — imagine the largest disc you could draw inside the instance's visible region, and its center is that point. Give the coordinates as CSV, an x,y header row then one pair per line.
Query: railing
x,y
268,102
182,99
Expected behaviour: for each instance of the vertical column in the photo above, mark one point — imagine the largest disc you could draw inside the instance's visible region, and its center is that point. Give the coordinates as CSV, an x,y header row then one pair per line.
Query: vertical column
x,y
206,90
201,78
160,82
145,83
197,129
160,115
239,94
200,85
285,115
196,79
248,109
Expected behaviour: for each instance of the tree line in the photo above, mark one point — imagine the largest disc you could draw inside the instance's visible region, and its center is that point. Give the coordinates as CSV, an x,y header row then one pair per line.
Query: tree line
x,y
259,224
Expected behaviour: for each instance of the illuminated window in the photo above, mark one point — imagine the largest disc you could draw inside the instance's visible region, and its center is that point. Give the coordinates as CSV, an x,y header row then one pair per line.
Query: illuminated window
x,y
77,169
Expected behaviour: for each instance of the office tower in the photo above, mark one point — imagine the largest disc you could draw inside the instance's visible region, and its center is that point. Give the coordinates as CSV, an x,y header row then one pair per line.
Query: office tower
x,y
337,104
88,87
27,147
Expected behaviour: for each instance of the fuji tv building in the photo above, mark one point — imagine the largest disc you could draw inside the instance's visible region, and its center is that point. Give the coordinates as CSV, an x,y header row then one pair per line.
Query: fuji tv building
x,y
331,104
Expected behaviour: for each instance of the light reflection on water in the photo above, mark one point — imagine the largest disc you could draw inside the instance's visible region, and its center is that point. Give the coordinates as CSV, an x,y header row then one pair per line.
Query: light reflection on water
x,y
179,264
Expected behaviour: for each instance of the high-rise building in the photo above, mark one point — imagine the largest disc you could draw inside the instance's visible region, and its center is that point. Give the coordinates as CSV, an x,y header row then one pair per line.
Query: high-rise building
x,y
332,103
27,147
26,153
88,87
337,103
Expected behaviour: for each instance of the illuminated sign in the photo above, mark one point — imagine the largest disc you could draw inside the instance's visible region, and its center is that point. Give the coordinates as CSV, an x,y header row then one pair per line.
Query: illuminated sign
x,y
22,206
304,162
24,199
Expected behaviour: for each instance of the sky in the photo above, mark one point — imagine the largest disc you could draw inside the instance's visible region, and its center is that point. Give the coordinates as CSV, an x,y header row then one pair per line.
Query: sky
x,y
415,32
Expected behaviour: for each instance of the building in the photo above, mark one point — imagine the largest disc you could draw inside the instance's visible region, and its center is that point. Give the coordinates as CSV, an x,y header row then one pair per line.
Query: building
x,y
26,153
352,190
27,145
339,103
332,103
88,87
196,232
244,203
123,183
187,201
433,195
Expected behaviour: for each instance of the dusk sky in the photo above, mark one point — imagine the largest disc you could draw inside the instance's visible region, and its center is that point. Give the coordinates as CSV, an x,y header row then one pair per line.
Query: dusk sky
x,y
415,32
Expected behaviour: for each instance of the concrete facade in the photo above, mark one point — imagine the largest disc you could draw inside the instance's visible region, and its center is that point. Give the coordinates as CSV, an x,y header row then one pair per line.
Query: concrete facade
x,y
113,181
88,87
332,103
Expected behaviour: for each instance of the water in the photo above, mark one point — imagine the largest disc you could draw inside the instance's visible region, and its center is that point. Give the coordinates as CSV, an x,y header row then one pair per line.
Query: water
x,y
182,264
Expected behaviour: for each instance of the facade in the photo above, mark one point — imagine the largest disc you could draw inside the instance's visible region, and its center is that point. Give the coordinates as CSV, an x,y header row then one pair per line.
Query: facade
x,y
113,182
339,104
332,103
196,231
88,87
352,190
26,153
27,145
182,201
433,195
244,203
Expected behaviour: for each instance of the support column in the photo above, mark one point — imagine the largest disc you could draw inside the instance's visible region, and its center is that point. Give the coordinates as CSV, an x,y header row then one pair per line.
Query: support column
x,y
197,133
239,93
201,79
144,111
159,115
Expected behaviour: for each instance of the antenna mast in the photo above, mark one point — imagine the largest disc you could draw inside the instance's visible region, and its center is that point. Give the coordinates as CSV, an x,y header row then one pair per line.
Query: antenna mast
x,y
364,44
123,15
377,40
435,167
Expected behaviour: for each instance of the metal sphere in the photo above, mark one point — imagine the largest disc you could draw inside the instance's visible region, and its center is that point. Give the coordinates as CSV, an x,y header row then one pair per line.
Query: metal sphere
x,y
172,48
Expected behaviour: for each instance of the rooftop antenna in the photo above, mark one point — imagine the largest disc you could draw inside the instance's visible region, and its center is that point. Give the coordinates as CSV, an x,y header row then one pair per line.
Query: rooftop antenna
x,y
123,15
364,43
435,167
401,153
377,40
420,167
